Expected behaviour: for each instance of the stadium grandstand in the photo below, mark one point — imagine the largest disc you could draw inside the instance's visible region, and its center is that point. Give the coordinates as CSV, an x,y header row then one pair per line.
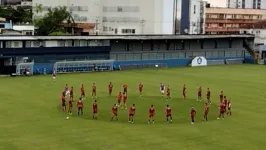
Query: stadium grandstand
x,y
45,54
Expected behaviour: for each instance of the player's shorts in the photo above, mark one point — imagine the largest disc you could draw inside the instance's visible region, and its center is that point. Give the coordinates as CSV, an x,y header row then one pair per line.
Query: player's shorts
x,y
67,92
206,113
222,111
95,111
82,93
162,91
131,115
192,116
110,90
184,93
119,101
229,108
208,97
93,91
199,95
80,108
115,113
168,115
140,90
70,105
124,101
151,115
168,94
63,104
125,90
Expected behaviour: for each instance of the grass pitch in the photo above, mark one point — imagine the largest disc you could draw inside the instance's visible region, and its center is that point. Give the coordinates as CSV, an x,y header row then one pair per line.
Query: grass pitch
x,y
31,119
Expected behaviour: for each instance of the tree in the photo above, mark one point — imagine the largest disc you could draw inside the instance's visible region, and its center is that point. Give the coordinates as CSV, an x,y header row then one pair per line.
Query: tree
x,y
18,15
52,21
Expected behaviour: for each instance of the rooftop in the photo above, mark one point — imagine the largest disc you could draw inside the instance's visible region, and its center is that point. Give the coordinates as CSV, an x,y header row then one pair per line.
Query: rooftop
x,y
122,37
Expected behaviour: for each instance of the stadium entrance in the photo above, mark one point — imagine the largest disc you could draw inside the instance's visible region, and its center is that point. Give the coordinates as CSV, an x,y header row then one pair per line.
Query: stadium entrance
x,y
6,66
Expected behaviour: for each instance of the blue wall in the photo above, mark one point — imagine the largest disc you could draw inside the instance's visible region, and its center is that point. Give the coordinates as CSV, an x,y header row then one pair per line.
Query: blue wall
x,y
48,67
169,62
184,22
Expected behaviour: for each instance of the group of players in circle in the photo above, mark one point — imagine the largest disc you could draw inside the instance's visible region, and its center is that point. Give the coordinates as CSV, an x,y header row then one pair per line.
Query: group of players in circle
x,y
224,107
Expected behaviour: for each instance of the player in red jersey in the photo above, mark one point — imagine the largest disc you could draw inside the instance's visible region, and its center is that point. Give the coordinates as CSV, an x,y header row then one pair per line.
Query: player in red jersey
x,y
71,93
124,106
82,91
63,100
132,111
208,95
94,110
184,92
199,93
225,103
140,89
206,111
119,98
168,113
229,106
168,93
221,96
93,92
110,88
70,105
114,113
125,88
151,114
222,110
192,114
80,107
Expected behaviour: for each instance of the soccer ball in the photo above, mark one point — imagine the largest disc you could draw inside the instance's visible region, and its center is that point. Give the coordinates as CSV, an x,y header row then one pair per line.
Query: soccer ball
x,y
156,66
67,118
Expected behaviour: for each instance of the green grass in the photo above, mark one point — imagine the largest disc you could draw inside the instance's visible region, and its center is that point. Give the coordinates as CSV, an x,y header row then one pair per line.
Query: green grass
x,y
31,118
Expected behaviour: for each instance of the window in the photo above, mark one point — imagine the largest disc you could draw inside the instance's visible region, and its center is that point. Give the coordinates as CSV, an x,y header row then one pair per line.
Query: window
x,y
119,9
133,31
128,31
194,9
105,29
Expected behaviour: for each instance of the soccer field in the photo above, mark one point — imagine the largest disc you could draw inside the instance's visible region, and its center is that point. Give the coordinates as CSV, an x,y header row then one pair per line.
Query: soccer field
x,y
31,118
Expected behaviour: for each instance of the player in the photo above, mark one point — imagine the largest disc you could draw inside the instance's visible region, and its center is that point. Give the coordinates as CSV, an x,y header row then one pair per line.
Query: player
x,y
225,103
140,89
221,96
168,93
80,107
132,111
192,114
125,88
206,111
71,96
229,106
119,98
63,100
70,105
162,87
66,90
168,113
222,110
114,113
124,96
208,96
94,110
152,113
110,88
93,93
82,91
54,75
184,92
199,93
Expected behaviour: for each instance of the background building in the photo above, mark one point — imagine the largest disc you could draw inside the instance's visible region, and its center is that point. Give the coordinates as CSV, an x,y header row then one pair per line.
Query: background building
x,y
255,4
119,16
192,16
231,20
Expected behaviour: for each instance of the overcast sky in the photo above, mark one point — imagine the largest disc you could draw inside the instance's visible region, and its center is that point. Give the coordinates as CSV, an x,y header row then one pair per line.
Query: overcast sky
x,y
217,3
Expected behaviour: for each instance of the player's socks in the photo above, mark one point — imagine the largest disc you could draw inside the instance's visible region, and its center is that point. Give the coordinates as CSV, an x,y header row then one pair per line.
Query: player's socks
x,y
206,118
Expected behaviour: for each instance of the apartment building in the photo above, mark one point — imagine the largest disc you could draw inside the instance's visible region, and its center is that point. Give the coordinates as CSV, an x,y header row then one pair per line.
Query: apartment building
x,y
231,20
119,16
254,4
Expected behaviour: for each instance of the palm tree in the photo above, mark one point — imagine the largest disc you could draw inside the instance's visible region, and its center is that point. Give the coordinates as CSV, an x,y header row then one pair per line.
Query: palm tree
x,y
38,8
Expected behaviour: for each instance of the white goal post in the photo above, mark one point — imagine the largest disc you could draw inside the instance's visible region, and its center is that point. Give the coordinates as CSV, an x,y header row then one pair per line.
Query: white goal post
x,y
25,68
83,66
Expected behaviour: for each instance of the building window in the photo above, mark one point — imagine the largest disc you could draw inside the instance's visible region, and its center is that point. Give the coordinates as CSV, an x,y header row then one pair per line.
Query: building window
x,y
194,9
105,29
128,31
119,9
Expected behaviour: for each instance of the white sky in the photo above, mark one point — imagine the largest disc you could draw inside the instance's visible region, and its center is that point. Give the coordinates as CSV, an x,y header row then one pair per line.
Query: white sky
x,y
217,3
